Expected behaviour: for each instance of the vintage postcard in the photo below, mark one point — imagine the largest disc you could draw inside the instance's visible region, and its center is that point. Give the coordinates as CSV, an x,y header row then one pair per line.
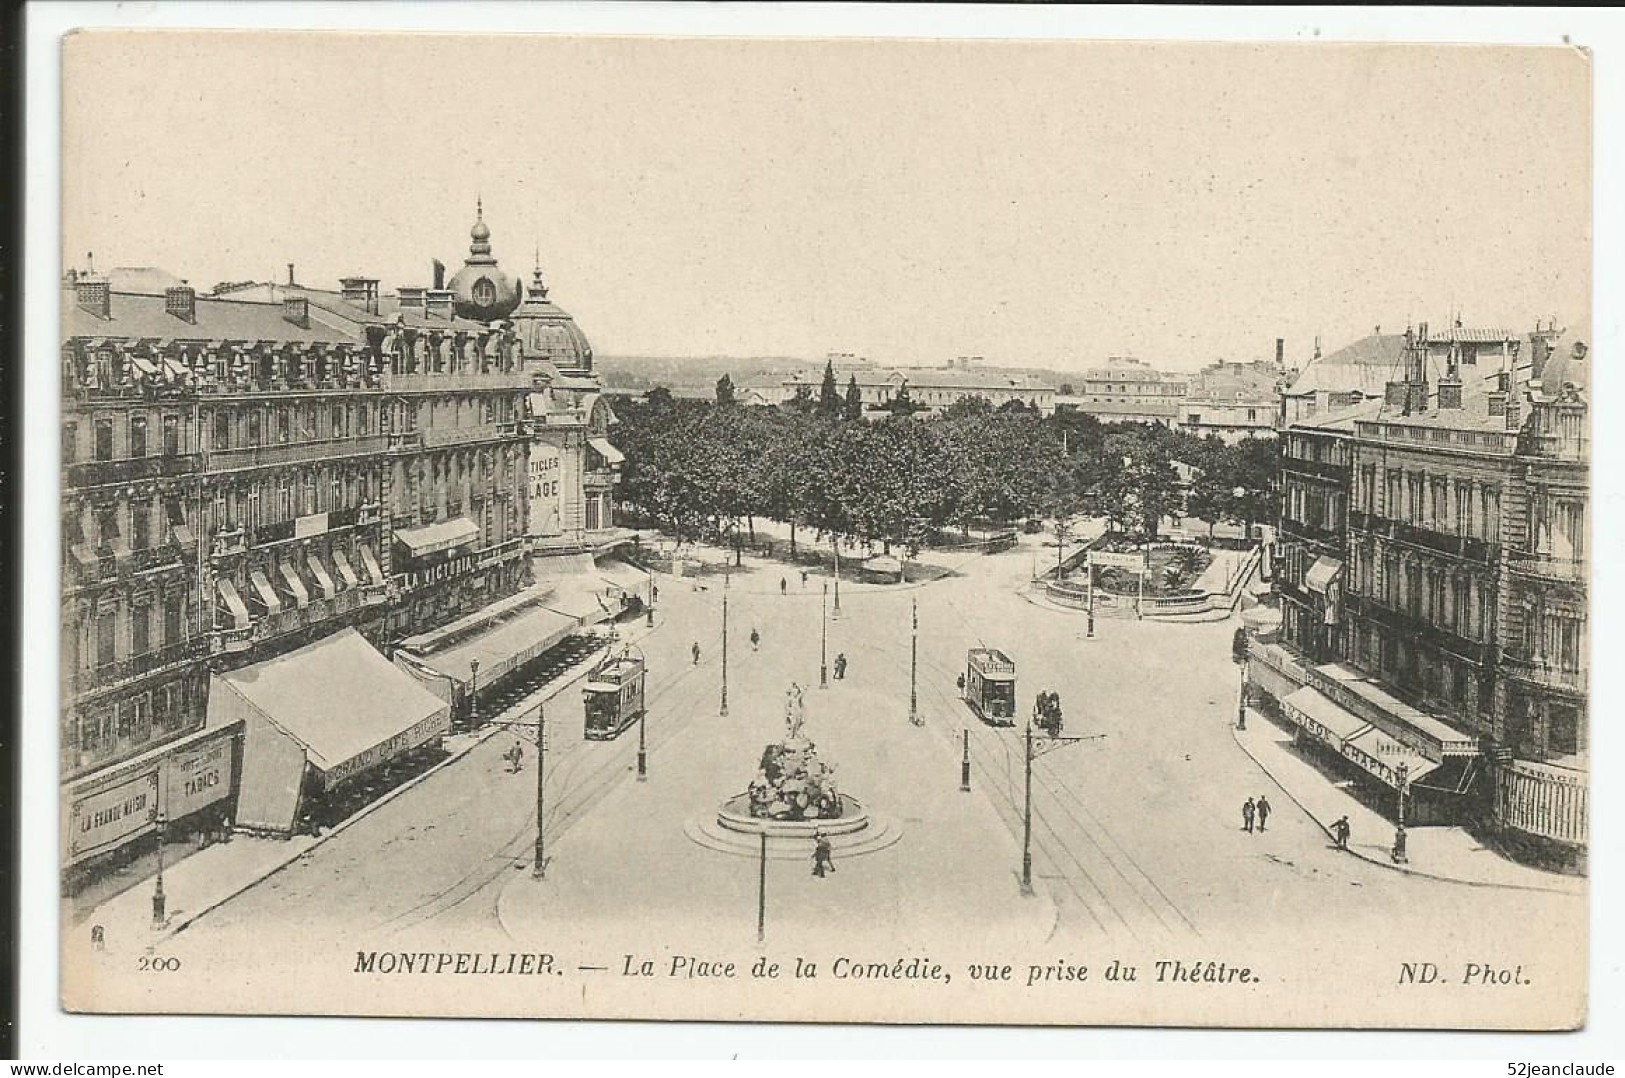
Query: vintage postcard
x,y
1006,532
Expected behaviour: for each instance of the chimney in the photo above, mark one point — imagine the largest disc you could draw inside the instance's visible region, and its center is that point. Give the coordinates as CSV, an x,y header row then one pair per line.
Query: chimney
x,y
438,302
413,299
361,292
1450,392
1280,351
290,273
181,301
94,294
439,275
296,309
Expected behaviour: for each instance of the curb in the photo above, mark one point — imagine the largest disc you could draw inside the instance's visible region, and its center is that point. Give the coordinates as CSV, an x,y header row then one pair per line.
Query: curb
x,y
1367,858
182,924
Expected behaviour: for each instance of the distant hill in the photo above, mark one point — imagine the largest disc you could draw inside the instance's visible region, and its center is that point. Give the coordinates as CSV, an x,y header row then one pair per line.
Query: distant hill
x,y
702,372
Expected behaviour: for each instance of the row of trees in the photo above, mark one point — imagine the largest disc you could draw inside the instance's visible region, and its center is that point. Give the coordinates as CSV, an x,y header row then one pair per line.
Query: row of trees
x,y
698,467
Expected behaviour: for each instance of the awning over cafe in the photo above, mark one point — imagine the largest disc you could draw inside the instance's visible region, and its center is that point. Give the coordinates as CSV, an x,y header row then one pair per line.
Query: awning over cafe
x,y
1382,756
267,594
1321,717
500,646
610,454
341,562
232,602
434,538
369,563
1321,574
296,587
319,573
336,707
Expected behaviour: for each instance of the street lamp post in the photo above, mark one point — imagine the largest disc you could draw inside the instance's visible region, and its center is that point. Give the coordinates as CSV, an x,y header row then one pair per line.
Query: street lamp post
x,y
158,899
723,710
1027,818
473,693
649,615
1402,773
914,665
823,641
1241,703
837,614
964,766
539,869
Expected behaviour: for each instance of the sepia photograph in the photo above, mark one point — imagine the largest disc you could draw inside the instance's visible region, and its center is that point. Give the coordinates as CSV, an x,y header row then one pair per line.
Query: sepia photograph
x,y
1001,532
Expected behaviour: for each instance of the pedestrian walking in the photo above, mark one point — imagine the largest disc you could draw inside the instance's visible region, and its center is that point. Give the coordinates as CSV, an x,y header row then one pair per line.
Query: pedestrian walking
x,y
516,759
1263,812
823,856
696,650
784,586
960,682
1247,811
803,578
1340,832
225,828
755,638
98,937
840,666
654,592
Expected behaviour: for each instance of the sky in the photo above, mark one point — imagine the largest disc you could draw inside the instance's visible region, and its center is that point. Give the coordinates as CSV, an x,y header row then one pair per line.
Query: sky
x,y
1043,204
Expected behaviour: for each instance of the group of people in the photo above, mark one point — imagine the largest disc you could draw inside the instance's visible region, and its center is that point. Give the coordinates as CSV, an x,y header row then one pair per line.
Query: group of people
x,y
1255,810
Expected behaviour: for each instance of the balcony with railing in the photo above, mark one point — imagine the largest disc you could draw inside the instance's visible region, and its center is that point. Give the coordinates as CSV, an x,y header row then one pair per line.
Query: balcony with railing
x,y
1418,628
1465,547
1558,677
1546,567
121,671
447,382
261,456
108,566
436,437
95,473
1337,473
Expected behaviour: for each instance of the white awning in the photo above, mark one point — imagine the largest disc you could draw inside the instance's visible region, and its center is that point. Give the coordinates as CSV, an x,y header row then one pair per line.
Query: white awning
x,y
341,562
318,572
502,647
267,594
232,602
610,454
1323,717
434,538
1321,574
369,562
296,587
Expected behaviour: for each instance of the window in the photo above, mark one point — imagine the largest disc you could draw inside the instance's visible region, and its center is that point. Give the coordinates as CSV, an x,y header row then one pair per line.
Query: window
x,y
104,439
284,425
172,620
70,442
172,436
107,525
222,430
106,629
138,436
254,426
340,428
140,629
141,525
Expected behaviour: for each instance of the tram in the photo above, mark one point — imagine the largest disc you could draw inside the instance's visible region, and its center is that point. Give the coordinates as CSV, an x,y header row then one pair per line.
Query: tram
x,y
613,698
990,686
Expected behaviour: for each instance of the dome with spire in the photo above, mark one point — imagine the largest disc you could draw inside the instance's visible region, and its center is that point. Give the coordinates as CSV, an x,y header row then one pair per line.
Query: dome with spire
x,y
484,292
546,331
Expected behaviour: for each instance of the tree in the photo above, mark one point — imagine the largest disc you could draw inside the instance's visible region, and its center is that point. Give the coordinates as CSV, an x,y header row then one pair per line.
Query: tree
x,y
968,406
1016,406
725,391
1065,389
802,402
854,399
901,405
829,398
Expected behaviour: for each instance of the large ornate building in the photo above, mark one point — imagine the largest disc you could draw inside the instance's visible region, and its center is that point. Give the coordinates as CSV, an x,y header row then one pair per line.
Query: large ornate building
x,y
247,472
1434,580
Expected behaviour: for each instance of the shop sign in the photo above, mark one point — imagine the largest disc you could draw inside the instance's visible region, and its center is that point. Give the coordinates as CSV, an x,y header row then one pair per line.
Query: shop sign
x,y
417,579
306,526
198,777
386,750
107,817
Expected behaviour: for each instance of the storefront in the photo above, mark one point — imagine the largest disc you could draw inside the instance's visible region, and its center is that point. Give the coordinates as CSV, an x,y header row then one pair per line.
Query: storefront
x,y
189,783
316,719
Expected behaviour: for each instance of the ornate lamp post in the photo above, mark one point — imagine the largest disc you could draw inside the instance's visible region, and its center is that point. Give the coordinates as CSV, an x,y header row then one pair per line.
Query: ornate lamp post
x,y
723,709
158,900
914,664
1402,772
823,641
1241,703
473,692
538,870
649,611
837,614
